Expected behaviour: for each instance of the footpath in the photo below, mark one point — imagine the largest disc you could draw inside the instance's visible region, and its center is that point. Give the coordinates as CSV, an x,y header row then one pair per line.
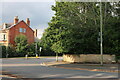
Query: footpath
x,y
84,66
5,75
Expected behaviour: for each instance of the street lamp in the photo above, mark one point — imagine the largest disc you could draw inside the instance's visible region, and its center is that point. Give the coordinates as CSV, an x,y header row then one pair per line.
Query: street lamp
x,y
101,36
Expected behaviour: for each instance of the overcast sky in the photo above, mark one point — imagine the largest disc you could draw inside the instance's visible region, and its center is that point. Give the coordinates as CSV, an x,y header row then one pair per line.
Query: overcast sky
x,y
40,13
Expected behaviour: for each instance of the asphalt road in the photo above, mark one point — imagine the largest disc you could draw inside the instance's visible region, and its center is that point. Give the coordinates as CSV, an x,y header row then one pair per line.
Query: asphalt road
x,y
31,68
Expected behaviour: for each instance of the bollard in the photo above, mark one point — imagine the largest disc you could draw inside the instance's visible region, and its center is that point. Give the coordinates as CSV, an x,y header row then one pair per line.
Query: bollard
x,y
37,56
26,56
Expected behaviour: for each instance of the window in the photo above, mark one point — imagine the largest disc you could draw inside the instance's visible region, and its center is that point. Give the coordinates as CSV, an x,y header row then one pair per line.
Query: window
x,y
4,37
22,30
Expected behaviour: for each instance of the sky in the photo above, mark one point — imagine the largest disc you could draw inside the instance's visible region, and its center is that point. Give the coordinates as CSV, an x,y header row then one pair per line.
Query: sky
x,y
39,13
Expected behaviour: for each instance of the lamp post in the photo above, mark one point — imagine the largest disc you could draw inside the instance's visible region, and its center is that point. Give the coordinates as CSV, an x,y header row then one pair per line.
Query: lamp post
x,y
101,36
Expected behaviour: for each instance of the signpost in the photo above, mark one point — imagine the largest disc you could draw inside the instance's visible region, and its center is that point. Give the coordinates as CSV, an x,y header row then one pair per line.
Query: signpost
x,y
40,50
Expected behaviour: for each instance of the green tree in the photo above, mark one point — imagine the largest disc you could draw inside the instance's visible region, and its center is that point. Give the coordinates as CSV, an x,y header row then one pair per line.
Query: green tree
x,y
66,32
111,29
31,49
74,28
21,44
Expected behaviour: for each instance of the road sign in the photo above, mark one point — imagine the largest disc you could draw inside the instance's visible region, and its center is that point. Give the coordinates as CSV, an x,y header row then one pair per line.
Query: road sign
x,y
40,49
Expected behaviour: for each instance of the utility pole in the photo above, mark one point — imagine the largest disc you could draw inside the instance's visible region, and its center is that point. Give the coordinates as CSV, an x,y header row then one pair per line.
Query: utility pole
x,y
101,36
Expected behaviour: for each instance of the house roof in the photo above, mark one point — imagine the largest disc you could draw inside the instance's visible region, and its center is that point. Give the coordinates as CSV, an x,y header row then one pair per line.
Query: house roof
x,y
10,25
7,24
18,23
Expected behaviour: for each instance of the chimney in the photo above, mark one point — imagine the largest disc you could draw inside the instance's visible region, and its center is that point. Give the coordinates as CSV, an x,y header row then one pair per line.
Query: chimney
x,y
28,21
16,19
35,32
4,26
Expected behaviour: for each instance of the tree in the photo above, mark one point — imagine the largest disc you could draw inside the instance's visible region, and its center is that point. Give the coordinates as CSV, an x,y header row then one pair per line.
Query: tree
x,y
74,28
31,49
66,32
21,44
111,29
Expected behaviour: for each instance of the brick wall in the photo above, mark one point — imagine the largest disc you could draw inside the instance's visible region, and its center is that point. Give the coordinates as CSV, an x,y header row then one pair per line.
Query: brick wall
x,y
95,58
14,31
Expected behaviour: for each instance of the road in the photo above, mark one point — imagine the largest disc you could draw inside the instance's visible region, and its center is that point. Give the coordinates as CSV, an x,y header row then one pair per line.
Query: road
x,y
31,68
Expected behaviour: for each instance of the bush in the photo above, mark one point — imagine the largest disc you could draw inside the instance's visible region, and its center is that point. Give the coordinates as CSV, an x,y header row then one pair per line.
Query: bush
x,y
3,51
31,49
21,45
10,51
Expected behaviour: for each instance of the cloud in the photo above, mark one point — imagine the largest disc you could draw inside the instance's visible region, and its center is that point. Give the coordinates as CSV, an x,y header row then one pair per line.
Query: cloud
x,y
0,13
29,0
40,13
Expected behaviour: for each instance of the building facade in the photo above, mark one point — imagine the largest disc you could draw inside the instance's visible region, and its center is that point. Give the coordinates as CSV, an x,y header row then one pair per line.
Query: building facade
x,y
9,31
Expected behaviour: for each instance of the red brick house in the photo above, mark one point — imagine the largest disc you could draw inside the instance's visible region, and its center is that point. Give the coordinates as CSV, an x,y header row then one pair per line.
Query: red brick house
x,y
9,31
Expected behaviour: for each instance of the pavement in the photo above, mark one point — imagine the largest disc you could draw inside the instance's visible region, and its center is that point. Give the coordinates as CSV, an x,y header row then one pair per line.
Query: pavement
x,y
84,66
6,74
